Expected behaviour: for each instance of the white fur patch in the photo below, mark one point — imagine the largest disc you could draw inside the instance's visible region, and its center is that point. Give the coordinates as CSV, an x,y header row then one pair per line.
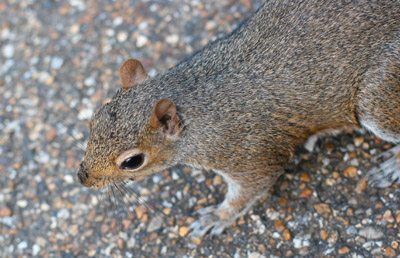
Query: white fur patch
x,y
233,187
381,133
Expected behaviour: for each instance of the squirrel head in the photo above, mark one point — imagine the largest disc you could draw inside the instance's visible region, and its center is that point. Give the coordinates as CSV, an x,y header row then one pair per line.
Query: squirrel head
x,y
129,137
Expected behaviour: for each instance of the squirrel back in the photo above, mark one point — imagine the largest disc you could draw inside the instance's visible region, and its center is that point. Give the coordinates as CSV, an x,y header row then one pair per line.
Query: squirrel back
x,y
242,104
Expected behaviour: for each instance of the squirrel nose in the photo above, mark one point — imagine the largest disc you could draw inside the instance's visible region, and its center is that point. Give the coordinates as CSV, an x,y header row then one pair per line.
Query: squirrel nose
x,y
82,174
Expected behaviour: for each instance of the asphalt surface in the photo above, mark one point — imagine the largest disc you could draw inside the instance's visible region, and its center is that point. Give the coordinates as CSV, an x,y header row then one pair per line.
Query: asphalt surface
x,y
60,61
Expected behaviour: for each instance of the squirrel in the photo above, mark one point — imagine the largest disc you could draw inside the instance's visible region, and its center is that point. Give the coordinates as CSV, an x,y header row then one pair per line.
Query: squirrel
x,y
241,105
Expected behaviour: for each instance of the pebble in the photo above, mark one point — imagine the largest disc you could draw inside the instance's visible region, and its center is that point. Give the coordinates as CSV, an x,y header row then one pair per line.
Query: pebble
x,y
196,240
5,211
350,172
286,234
22,203
56,62
322,208
141,41
358,141
279,226
90,81
370,233
323,234
351,230
22,245
344,250
183,231
389,252
44,207
69,179
85,114
361,185
63,213
255,255
122,36
154,224
8,51
388,217
35,249
306,193
172,39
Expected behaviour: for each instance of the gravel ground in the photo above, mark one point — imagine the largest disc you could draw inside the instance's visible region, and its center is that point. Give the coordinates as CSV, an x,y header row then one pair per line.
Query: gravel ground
x,y
60,61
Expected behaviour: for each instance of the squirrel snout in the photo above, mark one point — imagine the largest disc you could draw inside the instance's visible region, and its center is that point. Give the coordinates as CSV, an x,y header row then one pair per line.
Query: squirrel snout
x,y
82,174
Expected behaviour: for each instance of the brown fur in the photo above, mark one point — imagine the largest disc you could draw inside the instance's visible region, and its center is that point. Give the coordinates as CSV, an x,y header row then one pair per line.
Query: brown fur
x,y
245,101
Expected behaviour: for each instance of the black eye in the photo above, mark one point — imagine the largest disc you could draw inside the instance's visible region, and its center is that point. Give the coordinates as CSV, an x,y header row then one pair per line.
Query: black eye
x,y
133,162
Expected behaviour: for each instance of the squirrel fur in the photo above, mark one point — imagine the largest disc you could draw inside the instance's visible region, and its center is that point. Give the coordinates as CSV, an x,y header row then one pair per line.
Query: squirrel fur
x,y
242,104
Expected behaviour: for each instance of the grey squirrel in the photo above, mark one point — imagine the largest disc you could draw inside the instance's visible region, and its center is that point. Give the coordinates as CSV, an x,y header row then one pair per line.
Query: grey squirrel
x,y
241,105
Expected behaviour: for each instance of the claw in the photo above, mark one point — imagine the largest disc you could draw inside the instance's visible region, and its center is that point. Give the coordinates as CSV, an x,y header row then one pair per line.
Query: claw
x,y
209,220
388,171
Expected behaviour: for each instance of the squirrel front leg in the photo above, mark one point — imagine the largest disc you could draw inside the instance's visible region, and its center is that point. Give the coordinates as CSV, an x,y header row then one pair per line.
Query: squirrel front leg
x,y
244,189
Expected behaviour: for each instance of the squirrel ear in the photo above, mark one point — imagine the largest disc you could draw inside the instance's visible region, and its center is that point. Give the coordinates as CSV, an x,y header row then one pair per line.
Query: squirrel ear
x,y
132,72
164,115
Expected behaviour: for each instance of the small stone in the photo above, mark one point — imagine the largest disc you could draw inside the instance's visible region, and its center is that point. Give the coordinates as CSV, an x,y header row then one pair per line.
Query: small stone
x,y
217,180
395,244
141,41
155,224
323,234
63,213
350,172
322,208
344,250
51,134
371,233
122,36
44,207
279,226
286,235
329,146
389,252
306,193
69,179
334,237
210,25
22,203
56,62
305,177
118,21
172,39
183,231
92,253
254,255
196,240
358,141
74,29
351,230
5,211
304,251
8,51
85,114
145,191
90,81
361,185
388,217
35,249
23,245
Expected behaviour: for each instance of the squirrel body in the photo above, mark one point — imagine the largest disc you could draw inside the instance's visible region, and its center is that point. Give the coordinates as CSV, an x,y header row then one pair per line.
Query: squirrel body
x,y
243,103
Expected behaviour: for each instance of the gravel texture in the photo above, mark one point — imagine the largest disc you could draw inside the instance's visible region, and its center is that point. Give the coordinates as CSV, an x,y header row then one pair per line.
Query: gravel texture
x,y
59,62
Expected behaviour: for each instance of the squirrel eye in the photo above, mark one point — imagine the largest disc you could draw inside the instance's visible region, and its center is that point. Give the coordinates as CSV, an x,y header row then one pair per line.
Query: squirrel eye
x,y
133,162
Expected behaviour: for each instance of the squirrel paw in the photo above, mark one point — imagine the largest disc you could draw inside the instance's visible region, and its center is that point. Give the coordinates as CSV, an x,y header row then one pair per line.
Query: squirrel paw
x,y
211,218
388,171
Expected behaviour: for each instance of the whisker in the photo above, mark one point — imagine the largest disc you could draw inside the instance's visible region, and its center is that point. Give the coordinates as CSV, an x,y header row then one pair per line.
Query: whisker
x,y
141,200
